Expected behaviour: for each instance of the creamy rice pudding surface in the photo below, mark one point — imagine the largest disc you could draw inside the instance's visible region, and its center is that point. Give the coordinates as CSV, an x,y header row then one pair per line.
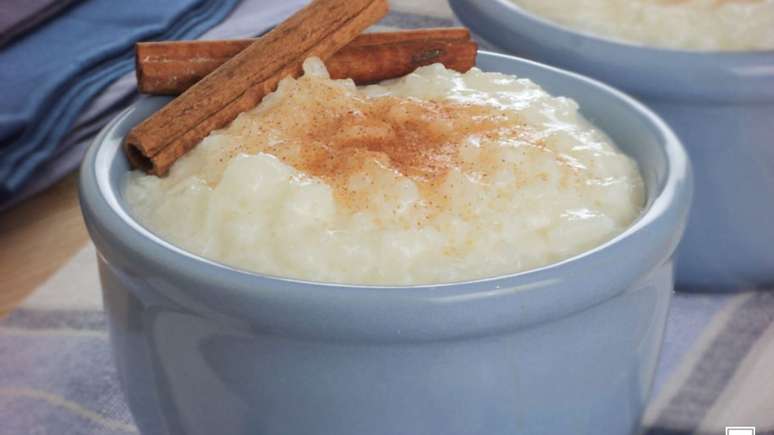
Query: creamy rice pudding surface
x,y
434,177
738,25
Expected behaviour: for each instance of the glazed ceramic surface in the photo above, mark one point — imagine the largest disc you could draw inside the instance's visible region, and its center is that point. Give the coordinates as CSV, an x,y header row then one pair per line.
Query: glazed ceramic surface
x,y
202,348
721,105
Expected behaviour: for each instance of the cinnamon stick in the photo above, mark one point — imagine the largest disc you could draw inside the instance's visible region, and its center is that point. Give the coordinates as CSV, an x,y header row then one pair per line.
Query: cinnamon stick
x,y
169,68
320,29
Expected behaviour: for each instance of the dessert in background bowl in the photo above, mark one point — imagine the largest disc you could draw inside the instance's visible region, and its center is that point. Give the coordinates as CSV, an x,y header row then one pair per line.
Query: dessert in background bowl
x,y
718,98
706,25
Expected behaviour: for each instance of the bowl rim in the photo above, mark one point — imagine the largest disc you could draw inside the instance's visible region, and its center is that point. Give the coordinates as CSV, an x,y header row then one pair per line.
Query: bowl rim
x,y
730,55
657,74
540,294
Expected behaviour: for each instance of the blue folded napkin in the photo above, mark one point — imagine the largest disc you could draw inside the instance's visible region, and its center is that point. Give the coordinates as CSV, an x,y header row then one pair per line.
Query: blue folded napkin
x,y
49,76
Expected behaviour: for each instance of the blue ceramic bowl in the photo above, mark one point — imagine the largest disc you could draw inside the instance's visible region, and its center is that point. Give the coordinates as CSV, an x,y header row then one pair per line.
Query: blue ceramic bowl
x,y
720,104
203,348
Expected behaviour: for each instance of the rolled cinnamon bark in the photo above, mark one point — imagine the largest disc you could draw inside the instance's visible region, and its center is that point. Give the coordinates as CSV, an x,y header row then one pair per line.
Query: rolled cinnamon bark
x,y
320,29
169,68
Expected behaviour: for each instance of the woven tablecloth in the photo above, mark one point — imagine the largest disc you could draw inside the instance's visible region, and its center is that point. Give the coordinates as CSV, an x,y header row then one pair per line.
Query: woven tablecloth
x,y
57,375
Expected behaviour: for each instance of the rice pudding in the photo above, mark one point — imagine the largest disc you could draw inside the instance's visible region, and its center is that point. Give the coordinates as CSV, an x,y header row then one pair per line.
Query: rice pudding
x,y
434,177
711,25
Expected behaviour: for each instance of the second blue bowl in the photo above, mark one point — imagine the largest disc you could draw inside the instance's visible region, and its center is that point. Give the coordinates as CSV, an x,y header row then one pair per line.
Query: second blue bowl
x,y
721,104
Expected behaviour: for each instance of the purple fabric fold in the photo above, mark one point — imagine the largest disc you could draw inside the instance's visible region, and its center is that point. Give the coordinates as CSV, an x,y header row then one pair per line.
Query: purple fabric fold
x,y
20,16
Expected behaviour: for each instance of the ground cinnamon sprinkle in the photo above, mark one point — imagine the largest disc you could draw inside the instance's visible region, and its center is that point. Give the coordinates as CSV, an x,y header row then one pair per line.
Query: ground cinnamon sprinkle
x,y
337,135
